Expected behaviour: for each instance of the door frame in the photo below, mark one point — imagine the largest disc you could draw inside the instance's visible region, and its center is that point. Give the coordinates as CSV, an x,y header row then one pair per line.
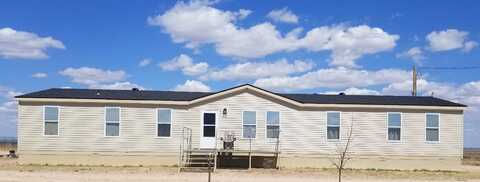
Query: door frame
x,y
202,125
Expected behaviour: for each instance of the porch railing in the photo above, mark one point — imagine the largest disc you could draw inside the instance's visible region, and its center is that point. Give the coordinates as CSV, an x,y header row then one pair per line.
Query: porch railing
x,y
185,147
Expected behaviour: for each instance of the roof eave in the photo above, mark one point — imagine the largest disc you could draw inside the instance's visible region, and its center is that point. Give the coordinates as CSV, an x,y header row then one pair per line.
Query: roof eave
x,y
188,103
110,101
371,106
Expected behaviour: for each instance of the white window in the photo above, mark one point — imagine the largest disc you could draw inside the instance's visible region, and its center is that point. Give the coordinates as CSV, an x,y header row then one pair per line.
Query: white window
x,y
164,122
432,127
273,124
249,124
333,125
209,122
394,126
50,119
112,121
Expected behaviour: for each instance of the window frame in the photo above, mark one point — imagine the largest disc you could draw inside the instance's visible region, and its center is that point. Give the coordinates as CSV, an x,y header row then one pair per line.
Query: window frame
x,y
203,123
157,123
256,124
339,126
438,127
119,121
401,127
266,126
45,121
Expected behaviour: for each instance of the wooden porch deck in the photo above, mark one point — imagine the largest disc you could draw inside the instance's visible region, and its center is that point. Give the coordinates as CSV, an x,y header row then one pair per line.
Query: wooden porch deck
x,y
215,153
233,151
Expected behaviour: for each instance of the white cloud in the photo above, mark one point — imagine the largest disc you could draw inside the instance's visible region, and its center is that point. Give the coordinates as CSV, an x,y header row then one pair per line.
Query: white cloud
x,y
355,91
196,69
415,53
255,70
144,62
424,87
40,75
340,77
470,89
176,63
255,42
8,111
91,76
196,24
283,15
118,86
468,93
348,43
25,45
243,13
358,91
186,64
449,39
205,24
192,86
98,78
8,95
468,46
239,71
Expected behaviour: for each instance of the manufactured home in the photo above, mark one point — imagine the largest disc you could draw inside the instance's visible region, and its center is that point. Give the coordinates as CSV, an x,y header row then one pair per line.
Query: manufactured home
x,y
242,125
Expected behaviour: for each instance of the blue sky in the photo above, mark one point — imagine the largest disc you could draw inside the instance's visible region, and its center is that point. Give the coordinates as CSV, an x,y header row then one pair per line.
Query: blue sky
x,y
365,47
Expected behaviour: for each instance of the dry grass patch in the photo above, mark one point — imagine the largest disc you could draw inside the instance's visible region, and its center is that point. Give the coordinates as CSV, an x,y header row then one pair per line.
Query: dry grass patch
x,y
11,165
5,147
393,174
471,157
7,165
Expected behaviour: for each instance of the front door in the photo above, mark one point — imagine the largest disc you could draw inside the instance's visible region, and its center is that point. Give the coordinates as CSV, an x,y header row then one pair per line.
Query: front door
x,y
209,122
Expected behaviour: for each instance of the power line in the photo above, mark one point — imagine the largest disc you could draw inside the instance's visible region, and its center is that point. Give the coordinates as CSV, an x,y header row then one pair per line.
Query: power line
x,y
449,68
416,73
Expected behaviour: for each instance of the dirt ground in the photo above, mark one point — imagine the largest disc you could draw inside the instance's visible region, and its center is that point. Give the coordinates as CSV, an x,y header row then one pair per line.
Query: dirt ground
x,y
471,157
11,172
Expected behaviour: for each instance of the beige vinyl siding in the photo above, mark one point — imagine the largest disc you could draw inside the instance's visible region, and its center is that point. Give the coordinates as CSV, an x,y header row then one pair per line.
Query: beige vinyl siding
x,y
302,131
81,129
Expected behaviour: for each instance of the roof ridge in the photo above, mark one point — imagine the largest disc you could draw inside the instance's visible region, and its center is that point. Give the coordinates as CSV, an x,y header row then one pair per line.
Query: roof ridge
x,y
354,95
94,89
323,94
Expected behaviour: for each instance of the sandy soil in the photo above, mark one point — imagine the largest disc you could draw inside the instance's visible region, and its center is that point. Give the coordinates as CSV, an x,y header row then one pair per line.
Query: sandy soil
x,y
225,176
11,172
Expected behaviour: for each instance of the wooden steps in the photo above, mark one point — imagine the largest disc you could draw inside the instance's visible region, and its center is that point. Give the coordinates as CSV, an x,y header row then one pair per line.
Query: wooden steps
x,y
199,160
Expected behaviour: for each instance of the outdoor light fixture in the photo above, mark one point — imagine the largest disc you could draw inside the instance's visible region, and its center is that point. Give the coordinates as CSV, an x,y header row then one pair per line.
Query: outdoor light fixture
x,y
224,112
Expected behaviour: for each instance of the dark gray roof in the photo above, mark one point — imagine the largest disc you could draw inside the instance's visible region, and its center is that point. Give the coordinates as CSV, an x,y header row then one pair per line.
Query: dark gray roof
x,y
188,96
370,100
115,94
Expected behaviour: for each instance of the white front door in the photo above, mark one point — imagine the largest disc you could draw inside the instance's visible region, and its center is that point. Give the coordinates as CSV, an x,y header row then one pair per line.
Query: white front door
x,y
209,123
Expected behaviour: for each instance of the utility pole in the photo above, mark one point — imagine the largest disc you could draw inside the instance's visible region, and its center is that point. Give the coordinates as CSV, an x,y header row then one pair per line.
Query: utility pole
x,y
414,81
